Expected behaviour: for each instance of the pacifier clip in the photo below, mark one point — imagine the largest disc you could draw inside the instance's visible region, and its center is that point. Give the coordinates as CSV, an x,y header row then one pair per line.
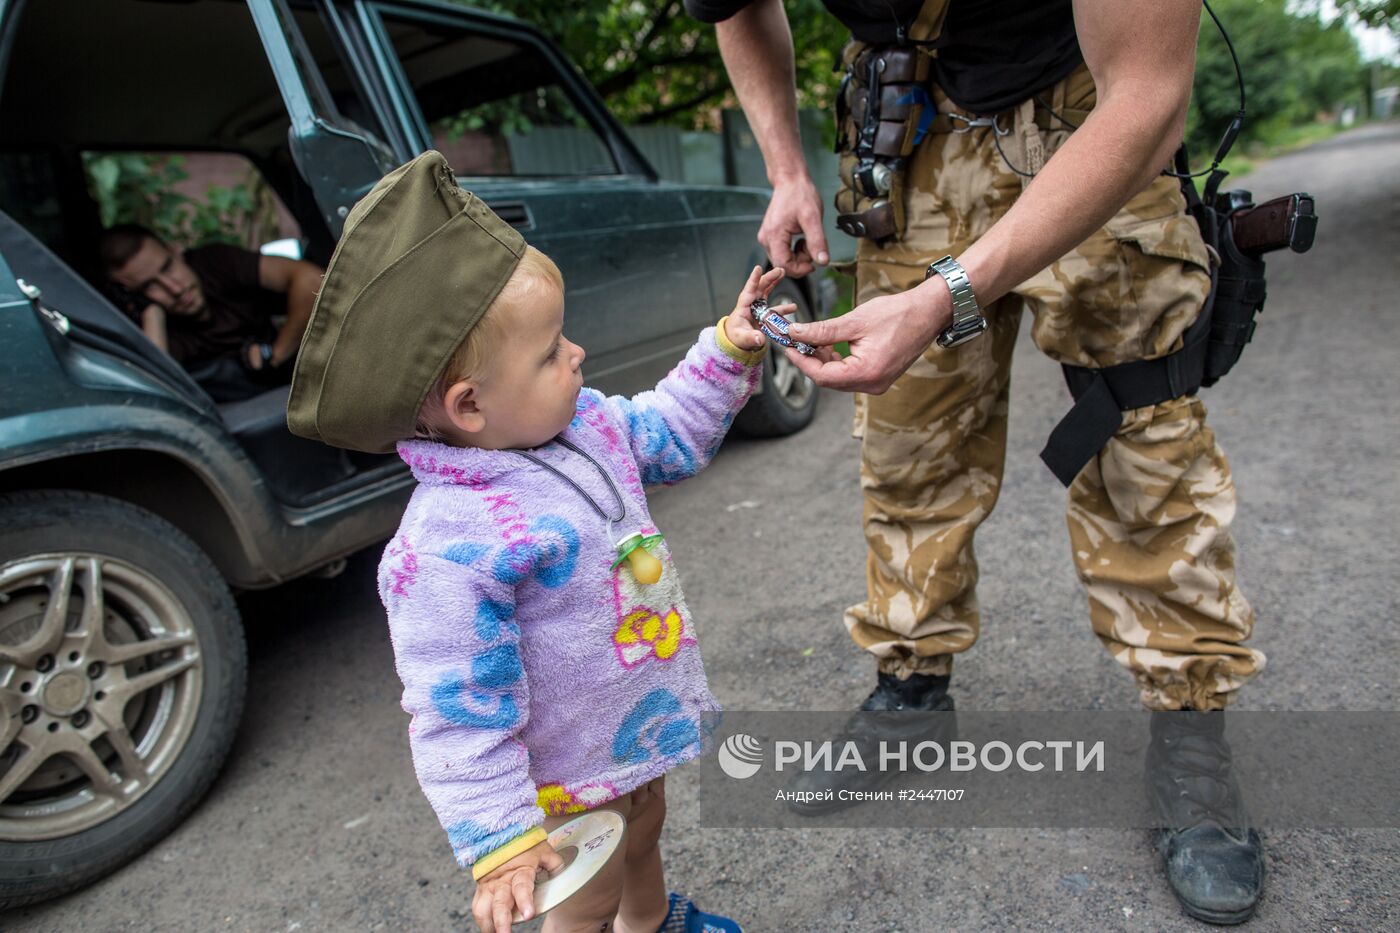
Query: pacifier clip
x,y
635,548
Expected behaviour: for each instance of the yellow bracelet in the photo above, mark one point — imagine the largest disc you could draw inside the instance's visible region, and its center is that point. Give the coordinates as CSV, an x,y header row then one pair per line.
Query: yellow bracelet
x,y
499,856
747,357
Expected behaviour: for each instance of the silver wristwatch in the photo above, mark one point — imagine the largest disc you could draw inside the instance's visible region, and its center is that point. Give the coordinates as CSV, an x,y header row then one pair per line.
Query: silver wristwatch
x,y
968,321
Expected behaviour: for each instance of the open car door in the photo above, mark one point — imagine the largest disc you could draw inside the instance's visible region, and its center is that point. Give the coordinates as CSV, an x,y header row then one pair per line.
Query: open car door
x,y
339,159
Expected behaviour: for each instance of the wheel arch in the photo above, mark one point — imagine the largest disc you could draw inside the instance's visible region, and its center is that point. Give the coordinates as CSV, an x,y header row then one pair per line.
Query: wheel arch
x,y
157,482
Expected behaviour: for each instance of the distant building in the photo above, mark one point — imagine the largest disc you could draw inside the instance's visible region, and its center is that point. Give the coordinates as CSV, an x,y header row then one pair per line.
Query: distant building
x,y
1383,102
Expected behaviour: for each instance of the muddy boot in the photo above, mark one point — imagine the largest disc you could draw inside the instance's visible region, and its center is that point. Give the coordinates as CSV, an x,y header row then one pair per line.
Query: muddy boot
x,y
1214,861
895,711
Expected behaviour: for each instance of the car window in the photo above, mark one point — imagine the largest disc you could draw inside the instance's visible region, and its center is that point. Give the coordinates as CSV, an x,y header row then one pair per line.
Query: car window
x,y
214,89
492,105
330,76
189,198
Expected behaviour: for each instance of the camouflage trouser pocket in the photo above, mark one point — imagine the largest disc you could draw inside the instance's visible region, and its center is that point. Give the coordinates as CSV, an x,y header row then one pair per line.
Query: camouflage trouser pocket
x,y
1169,271
1129,291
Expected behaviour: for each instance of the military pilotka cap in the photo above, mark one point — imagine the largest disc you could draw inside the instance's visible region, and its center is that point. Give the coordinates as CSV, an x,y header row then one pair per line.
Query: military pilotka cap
x,y
419,263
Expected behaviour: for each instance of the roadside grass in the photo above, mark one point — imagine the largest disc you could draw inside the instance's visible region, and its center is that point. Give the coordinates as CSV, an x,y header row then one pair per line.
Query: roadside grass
x,y
1276,143
845,293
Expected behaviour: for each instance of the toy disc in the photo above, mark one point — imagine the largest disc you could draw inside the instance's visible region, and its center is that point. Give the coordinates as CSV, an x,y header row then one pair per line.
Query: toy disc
x,y
595,835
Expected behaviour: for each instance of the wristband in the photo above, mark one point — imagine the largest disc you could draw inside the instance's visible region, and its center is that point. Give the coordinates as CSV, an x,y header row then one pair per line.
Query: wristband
x,y
502,854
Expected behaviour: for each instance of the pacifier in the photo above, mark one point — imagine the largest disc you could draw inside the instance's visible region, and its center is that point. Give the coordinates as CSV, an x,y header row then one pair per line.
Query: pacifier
x,y
634,549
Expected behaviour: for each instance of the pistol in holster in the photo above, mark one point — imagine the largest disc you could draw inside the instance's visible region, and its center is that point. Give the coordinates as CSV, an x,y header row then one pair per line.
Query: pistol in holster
x,y
1239,233
882,111
1244,233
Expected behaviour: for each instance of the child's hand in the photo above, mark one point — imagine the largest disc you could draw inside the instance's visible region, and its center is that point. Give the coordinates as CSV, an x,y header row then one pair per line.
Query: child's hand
x,y
512,885
739,326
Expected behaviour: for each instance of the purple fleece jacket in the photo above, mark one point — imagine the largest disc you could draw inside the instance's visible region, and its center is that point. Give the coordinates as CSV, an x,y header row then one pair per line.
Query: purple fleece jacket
x,y
540,679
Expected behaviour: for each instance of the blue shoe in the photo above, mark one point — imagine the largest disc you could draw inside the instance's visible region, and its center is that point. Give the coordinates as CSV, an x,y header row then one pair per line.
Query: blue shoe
x,y
684,917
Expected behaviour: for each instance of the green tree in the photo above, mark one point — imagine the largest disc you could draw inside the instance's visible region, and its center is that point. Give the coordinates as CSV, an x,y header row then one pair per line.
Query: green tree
x,y
139,187
1294,66
1380,14
653,63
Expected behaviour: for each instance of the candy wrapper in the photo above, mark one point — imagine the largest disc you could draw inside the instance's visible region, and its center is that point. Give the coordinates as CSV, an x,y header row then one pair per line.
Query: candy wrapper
x,y
775,327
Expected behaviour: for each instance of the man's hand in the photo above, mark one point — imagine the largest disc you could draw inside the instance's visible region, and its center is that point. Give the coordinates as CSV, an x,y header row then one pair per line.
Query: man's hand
x,y
886,334
510,886
739,326
253,356
794,212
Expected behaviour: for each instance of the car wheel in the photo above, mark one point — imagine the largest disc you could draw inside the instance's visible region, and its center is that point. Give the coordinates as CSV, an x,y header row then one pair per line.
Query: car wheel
x,y
788,401
122,674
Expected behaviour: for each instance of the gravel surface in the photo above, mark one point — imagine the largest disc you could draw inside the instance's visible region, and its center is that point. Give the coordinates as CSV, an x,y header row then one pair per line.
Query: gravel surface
x,y
317,822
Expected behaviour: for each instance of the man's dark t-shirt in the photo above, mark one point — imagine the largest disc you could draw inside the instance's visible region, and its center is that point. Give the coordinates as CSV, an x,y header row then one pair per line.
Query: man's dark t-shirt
x,y
237,308
992,54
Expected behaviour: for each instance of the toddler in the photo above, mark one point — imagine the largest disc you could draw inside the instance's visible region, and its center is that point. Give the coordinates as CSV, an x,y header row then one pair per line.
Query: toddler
x,y
548,667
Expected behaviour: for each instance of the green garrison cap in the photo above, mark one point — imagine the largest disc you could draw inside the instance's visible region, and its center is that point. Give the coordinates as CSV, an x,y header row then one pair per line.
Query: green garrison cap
x,y
419,263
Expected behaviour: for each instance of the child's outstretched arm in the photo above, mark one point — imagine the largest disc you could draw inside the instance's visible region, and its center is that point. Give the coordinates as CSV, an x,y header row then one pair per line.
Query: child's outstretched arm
x,y
456,648
676,428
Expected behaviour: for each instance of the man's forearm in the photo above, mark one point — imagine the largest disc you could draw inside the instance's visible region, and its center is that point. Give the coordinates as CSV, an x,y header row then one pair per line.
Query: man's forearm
x,y
153,326
301,298
1118,151
756,45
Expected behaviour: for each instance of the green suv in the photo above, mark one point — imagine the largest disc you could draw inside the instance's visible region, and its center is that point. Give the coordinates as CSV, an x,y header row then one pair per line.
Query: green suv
x,y
131,504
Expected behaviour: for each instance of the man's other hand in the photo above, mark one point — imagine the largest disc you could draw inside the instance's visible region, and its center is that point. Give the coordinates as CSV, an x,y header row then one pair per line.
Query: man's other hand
x,y
794,218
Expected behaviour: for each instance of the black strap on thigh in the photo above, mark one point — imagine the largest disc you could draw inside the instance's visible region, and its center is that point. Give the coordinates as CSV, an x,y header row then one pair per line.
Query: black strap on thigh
x,y
1102,395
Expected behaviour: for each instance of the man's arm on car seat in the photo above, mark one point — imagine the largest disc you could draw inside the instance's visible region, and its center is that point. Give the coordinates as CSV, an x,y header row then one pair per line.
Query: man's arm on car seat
x,y
153,326
299,281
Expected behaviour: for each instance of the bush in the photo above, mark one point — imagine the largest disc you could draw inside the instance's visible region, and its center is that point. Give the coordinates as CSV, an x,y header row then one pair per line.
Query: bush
x,y
1295,69
138,187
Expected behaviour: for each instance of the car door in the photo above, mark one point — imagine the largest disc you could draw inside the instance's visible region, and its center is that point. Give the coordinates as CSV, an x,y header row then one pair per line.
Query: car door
x,y
340,159
523,133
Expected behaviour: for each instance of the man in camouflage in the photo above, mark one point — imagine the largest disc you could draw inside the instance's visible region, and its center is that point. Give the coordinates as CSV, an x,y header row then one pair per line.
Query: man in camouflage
x,y
1099,248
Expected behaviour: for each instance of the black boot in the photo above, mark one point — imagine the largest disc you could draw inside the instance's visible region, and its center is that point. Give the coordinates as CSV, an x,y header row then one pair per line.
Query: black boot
x,y
1214,861
891,713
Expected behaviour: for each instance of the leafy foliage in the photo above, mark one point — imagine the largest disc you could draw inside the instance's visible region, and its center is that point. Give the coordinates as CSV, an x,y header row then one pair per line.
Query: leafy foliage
x,y
1295,68
653,63
1380,14
138,187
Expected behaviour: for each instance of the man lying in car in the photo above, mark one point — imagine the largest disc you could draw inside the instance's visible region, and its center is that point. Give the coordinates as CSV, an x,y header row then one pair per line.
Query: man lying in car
x,y
212,308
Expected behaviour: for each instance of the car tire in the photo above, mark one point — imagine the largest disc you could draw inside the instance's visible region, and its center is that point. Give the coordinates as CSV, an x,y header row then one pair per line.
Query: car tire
x,y
137,696
788,402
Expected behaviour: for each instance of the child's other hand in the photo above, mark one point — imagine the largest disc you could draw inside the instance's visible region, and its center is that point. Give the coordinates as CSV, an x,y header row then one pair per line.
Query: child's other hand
x,y
512,885
739,326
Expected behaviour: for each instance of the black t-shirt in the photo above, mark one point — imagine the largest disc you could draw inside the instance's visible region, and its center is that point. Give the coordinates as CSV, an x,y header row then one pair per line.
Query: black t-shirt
x,y
992,54
236,307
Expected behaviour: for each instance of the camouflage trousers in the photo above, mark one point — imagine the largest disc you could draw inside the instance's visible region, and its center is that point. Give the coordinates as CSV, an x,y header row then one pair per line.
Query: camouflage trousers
x,y
1149,518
